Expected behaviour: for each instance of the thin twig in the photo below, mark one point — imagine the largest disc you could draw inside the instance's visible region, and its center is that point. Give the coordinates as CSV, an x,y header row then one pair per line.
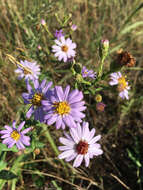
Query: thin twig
x,y
122,183
50,175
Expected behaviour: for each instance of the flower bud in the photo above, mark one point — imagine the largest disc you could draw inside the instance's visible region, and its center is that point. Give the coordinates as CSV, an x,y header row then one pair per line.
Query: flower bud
x,y
43,22
37,151
98,98
79,78
103,48
100,106
73,27
39,47
105,43
77,67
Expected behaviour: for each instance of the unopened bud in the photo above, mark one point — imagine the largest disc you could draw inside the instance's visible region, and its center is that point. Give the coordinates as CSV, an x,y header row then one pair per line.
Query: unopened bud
x,y
98,98
77,67
37,151
79,78
100,106
43,22
105,43
103,48
73,27
39,47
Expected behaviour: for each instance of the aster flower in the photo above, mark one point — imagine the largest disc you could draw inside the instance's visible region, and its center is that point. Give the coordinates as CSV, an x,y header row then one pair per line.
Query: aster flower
x,y
58,34
80,145
64,49
64,107
118,79
88,73
13,135
28,70
34,98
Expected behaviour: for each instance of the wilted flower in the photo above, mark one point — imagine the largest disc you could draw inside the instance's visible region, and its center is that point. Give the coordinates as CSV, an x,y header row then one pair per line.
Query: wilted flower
x,y
100,106
13,135
125,58
34,98
73,27
28,70
64,107
118,79
58,34
80,144
88,73
64,49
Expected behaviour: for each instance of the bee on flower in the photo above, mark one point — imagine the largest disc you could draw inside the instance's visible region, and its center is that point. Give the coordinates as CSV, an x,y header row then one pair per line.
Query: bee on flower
x,y
120,80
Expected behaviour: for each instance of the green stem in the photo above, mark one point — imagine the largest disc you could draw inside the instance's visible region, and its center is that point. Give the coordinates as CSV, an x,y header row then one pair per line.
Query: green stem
x,y
52,143
101,67
47,30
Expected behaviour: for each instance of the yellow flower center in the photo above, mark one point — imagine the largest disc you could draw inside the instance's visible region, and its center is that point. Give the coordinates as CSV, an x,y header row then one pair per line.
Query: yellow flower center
x,y
15,135
36,100
85,72
65,48
122,84
62,108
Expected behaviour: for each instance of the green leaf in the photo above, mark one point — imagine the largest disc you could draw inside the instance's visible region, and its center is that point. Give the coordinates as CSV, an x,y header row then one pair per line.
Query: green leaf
x,y
3,147
131,27
7,175
2,165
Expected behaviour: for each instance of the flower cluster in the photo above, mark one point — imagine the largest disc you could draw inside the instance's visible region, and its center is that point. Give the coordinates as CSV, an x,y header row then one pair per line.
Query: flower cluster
x,y
63,107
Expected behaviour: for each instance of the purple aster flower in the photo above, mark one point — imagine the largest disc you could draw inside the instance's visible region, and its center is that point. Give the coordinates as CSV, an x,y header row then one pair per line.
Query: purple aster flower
x,y
35,96
13,135
58,34
80,145
88,73
64,49
64,107
28,70
118,79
